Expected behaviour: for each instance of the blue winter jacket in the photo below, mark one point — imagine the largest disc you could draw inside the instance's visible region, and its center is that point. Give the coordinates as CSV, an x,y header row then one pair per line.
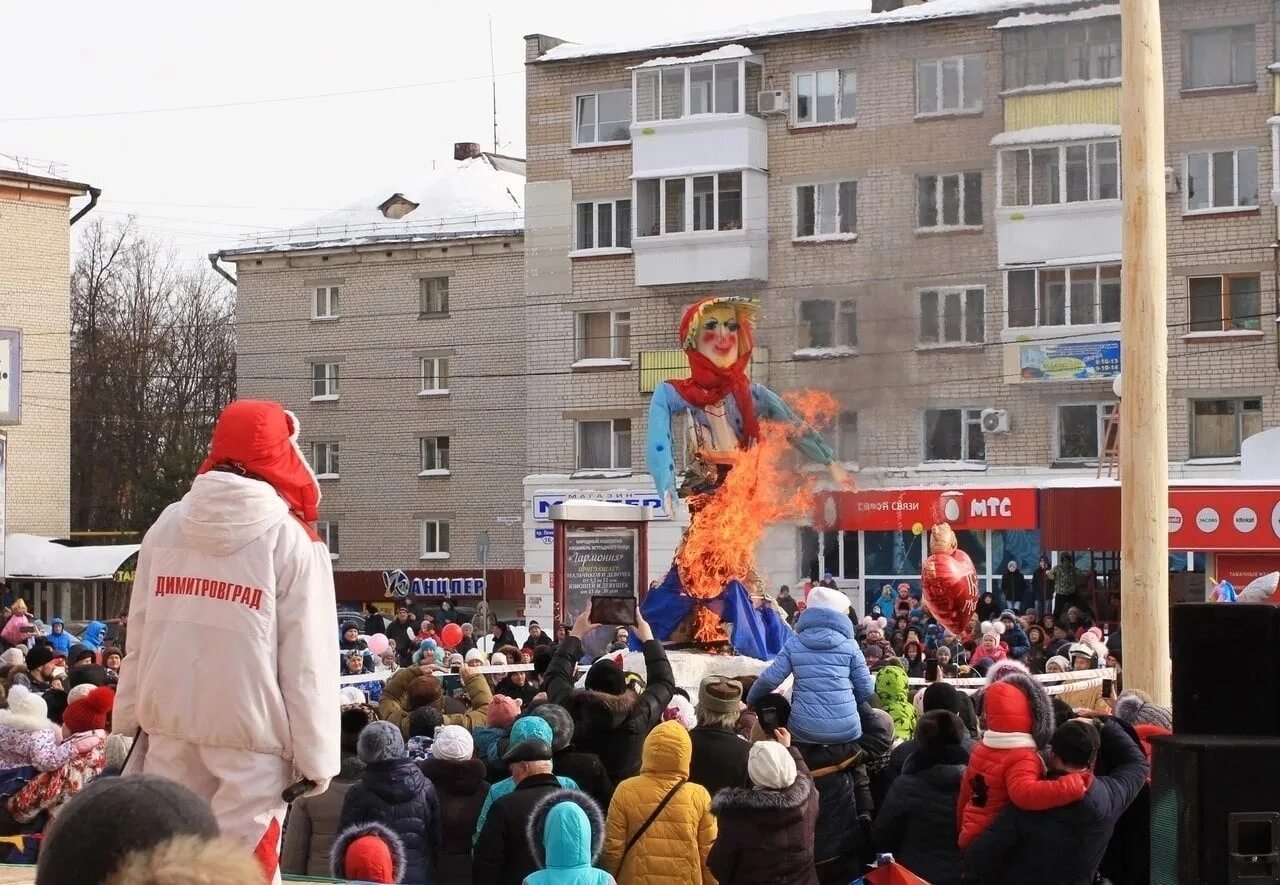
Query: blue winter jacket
x,y
831,677
566,831
92,635
60,641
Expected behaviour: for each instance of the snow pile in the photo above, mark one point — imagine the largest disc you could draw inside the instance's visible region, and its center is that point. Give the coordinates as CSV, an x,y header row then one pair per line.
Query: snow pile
x,y
30,556
1065,132
1030,19
733,50
824,353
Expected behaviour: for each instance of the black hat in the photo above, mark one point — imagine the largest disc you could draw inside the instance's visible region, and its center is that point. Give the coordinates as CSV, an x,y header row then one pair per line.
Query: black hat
x,y
41,655
606,677
88,674
114,817
541,660
531,750
941,696
79,652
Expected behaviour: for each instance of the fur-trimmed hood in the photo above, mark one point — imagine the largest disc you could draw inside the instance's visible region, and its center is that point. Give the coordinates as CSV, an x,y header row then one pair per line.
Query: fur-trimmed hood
x,y
342,843
746,800
1041,707
566,830
598,710
10,719
187,860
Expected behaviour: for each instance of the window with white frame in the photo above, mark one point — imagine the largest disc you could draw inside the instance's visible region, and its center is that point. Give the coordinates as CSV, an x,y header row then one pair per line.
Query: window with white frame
x,y
954,435
604,334
846,437
1222,180
1081,431
1063,296
602,224
1219,426
433,453
435,538
324,459
952,315
435,374
949,85
1226,302
433,296
602,117
825,323
671,92
324,304
324,380
605,444
327,529
1064,53
1064,173
823,97
949,201
1217,57
688,203
826,210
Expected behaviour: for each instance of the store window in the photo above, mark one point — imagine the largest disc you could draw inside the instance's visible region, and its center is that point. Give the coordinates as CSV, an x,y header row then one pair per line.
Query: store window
x,y
832,553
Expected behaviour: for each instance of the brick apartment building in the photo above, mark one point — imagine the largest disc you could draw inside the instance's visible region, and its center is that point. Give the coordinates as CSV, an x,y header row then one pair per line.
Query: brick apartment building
x,y
927,202
393,330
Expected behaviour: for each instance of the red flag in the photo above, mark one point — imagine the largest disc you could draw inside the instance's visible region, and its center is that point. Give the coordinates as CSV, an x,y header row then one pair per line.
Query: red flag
x,y
893,874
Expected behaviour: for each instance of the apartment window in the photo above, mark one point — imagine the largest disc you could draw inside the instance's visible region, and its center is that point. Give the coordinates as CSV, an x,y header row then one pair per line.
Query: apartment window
x,y
1225,303
1218,57
1218,426
1081,430
327,529
954,435
1068,173
324,306
1062,53
693,202
435,374
949,85
952,315
604,334
433,452
324,380
1063,296
823,97
433,295
826,210
946,201
324,459
435,539
1222,180
603,117
828,323
668,93
603,224
604,445
846,441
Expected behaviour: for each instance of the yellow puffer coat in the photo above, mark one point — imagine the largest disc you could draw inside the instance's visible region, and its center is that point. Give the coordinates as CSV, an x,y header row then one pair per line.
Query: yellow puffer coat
x,y
675,847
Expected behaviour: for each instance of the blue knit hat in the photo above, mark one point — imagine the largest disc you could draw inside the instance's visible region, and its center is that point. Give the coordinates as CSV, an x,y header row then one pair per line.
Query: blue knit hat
x,y
531,728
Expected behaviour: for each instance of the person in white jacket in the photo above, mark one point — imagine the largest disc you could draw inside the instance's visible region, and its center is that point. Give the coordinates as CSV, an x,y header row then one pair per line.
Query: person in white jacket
x,y
230,681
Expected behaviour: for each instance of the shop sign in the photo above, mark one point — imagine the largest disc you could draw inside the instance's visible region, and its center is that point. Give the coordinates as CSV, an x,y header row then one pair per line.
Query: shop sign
x,y
1070,361
545,499
400,586
1241,568
1224,519
905,509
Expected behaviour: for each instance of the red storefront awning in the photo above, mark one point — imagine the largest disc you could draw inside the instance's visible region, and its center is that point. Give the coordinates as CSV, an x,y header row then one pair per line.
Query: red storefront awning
x,y
974,509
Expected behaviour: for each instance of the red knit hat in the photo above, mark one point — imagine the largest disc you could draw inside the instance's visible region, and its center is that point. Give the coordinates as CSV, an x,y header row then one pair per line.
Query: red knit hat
x,y
1007,708
90,712
369,860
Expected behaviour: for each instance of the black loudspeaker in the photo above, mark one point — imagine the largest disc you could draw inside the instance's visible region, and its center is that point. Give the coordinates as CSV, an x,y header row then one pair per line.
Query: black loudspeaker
x,y
1226,669
1215,811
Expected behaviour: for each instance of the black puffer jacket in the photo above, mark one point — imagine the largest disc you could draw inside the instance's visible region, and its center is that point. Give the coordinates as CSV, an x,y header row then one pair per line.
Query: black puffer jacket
x,y
917,822
461,790
837,838
503,855
719,758
611,726
396,794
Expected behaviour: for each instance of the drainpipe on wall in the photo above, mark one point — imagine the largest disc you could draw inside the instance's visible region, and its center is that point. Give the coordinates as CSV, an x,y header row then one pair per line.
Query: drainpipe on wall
x,y
94,193
213,262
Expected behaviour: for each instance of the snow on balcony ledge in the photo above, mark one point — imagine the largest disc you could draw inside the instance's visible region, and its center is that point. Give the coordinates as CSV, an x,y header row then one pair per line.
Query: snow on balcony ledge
x,y
1061,86
733,50
824,353
1065,132
947,466
1031,19
600,362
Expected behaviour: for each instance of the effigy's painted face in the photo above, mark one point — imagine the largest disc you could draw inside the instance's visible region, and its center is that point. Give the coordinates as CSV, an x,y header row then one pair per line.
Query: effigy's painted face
x,y
718,335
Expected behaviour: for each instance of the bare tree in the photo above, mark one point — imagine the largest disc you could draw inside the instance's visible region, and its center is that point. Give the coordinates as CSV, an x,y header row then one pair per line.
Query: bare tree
x,y
152,365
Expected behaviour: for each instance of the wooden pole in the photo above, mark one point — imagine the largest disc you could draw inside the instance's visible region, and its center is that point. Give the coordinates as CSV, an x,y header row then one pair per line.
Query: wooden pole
x,y
1144,427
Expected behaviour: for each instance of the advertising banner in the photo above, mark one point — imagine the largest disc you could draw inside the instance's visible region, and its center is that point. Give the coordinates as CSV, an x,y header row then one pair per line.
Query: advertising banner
x,y
1070,361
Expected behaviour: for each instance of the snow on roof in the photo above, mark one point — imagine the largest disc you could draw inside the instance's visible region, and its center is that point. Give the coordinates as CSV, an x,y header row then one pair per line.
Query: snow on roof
x,y
733,50
30,556
807,23
477,197
1030,19
1065,132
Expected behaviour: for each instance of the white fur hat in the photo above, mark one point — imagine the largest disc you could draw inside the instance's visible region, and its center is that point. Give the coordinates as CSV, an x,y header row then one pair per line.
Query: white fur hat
x,y
453,743
825,597
23,703
474,655
498,659
769,765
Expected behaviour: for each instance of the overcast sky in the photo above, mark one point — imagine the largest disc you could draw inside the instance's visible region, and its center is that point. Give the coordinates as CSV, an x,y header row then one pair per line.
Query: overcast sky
x,y
201,177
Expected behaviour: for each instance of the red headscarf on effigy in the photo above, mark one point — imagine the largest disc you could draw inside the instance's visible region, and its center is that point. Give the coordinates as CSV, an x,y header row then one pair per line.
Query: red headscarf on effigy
x,y
709,384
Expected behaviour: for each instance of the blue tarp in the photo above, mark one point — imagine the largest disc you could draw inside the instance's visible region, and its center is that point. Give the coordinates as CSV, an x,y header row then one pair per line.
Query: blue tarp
x,y
757,633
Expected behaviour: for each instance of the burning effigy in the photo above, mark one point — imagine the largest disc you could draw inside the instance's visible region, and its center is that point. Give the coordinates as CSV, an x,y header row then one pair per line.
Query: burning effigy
x,y
739,434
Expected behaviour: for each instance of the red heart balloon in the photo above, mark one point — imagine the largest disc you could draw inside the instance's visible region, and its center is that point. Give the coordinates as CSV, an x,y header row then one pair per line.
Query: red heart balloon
x,y
950,585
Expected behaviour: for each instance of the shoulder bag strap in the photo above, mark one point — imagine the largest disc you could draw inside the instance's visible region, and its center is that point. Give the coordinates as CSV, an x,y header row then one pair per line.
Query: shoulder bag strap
x,y
645,826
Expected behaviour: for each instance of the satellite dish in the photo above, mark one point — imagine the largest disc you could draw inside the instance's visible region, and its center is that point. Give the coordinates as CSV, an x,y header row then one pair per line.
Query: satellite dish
x,y
1115,386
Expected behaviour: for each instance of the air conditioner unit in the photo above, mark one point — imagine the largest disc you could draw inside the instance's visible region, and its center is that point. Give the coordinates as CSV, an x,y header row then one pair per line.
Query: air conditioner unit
x,y
773,101
1170,180
995,421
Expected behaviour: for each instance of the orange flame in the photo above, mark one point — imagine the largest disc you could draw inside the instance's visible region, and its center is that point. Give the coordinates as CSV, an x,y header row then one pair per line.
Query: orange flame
x,y
727,525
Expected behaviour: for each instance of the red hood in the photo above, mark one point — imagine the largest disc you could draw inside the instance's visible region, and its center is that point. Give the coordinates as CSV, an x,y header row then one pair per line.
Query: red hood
x,y
1007,709
262,438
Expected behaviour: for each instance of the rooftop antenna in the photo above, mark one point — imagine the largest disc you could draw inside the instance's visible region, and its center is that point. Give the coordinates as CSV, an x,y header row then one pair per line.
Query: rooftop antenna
x,y
493,81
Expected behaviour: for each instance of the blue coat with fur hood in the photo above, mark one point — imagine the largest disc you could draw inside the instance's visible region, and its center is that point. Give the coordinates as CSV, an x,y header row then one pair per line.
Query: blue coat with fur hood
x,y
831,678
566,833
